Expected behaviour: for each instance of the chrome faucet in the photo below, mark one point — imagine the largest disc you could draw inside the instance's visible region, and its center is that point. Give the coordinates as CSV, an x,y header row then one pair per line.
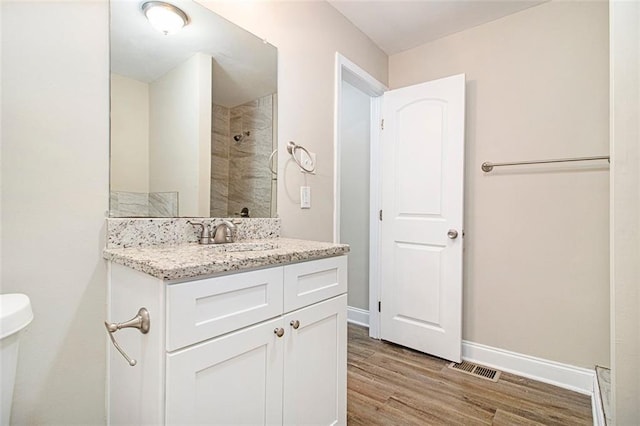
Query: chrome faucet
x,y
205,232
224,232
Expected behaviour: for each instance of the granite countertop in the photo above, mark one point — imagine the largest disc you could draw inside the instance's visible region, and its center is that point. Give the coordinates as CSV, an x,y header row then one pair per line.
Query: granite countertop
x,y
193,260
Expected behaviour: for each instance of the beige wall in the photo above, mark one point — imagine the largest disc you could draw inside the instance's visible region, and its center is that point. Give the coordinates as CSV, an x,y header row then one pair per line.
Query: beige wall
x,y
129,134
307,35
55,183
180,134
625,210
55,176
536,246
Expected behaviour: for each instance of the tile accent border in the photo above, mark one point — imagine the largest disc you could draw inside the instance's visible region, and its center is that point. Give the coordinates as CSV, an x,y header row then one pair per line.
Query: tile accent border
x,y
144,232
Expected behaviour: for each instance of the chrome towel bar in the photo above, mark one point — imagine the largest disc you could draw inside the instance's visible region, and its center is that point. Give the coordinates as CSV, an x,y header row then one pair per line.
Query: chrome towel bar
x,y
488,166
141,321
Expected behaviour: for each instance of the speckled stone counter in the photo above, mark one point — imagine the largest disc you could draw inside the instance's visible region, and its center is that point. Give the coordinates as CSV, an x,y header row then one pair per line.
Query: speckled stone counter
x,y
148,232
186,261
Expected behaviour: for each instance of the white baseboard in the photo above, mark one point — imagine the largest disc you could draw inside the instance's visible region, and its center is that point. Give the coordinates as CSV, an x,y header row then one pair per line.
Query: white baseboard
x,y
563,375
358,316
566,376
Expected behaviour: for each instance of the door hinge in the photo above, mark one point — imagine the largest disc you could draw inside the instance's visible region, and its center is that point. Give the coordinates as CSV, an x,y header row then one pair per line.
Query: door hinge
x,y
379,306
380,214
382,124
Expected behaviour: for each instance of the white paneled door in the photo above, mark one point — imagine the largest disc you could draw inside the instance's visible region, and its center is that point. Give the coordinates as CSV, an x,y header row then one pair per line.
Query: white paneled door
x,y
422,202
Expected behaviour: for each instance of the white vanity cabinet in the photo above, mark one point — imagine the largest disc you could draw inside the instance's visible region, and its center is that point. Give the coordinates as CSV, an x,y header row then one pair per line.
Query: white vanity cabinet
x,y
260,347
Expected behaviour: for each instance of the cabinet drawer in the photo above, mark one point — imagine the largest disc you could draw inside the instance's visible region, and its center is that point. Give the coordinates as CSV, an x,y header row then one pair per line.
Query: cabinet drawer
x,y
310,282
199,310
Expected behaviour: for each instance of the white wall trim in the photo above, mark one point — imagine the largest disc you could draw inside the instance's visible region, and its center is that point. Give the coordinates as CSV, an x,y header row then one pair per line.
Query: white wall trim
x,y
563,375
337,125
358,77
597,410
375,204
358,316
346,70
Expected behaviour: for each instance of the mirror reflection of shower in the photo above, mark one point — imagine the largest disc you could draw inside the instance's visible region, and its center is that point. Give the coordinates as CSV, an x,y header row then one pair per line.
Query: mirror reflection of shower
x,y
240,137
243,138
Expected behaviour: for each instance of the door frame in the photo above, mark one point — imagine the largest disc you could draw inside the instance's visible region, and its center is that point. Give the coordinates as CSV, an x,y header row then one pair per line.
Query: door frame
x,y
345,70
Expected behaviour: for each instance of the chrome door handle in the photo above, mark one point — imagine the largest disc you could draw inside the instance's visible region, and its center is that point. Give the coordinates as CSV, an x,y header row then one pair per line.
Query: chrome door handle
x,y
279,332
452,234
295,324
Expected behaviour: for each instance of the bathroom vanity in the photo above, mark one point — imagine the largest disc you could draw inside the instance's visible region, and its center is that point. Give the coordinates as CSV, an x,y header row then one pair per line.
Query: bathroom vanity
x,y
254,336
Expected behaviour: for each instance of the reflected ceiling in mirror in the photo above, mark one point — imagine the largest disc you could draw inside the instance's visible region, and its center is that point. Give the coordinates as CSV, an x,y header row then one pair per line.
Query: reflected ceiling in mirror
x,y
192,117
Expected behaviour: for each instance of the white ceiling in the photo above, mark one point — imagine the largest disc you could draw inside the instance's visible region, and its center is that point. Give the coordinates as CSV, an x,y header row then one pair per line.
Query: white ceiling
x,y
398,25
244,67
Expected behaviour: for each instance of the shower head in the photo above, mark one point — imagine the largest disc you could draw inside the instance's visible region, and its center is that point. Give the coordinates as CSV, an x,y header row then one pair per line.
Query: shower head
x,y
238,138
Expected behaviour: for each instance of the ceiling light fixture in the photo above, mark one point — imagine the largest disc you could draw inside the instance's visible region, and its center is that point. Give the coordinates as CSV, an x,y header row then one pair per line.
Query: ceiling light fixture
x,y
165,17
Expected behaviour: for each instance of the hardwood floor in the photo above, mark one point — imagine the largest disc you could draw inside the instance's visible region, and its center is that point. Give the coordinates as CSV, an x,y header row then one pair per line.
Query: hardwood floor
x,y
391,385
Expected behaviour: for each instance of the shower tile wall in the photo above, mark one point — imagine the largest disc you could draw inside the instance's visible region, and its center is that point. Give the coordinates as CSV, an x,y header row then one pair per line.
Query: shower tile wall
x,y
163,204
248,182
143,204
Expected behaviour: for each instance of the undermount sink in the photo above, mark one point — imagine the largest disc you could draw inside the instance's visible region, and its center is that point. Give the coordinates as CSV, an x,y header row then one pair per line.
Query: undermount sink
x,y
244,246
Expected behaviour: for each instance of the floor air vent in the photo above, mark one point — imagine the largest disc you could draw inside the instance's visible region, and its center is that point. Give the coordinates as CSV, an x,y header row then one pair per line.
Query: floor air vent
x,y
476,370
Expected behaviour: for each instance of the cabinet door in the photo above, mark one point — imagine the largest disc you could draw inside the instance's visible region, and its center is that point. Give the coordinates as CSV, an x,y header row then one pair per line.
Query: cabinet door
x,y
234,379
315,364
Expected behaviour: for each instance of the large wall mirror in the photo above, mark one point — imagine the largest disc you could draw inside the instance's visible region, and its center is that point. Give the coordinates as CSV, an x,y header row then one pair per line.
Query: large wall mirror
x,y
193,117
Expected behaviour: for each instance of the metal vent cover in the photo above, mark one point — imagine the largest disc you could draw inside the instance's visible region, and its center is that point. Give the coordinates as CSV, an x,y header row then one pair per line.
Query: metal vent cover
x,y
476,370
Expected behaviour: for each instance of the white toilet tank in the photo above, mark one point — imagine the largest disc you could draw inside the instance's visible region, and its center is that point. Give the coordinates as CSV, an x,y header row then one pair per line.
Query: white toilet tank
x,y
15,315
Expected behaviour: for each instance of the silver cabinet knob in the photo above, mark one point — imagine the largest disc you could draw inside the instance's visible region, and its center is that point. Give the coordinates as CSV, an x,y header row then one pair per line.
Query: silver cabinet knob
x,y
453,234
295,324
279,332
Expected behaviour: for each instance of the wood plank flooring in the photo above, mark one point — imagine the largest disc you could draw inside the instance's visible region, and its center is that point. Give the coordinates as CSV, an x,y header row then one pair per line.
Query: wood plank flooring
x,y
391,385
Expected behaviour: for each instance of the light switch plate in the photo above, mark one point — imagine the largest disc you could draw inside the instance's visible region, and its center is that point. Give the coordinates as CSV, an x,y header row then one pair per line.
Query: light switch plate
x,y
305,197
